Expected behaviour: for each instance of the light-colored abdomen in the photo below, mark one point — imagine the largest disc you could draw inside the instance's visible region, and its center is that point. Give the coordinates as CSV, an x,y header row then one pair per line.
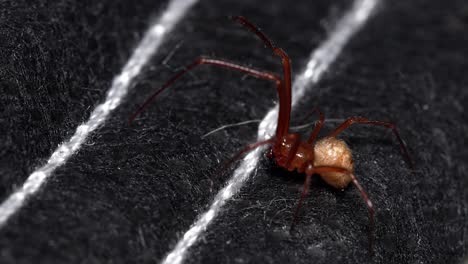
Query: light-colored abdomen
x,y
334,152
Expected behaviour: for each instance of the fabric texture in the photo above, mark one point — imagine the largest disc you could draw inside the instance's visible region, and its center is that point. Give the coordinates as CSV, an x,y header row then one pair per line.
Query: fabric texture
x,y
132,191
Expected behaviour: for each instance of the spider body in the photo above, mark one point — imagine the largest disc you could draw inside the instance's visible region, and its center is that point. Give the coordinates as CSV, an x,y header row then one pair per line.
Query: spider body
x,y
292,153
329,157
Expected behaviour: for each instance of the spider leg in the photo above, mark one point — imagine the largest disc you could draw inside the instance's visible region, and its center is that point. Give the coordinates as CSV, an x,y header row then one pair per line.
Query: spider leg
x,y
370,208
285,61
276,50
360,120
215,62
243,151
318,126
310,170
305,192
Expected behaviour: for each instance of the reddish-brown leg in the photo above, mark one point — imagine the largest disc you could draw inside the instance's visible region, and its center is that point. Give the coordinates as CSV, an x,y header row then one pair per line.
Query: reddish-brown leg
x,y
246,149
365,197
323,169
219,63
305,192
317,128
285,96
371,210
311,170
361,120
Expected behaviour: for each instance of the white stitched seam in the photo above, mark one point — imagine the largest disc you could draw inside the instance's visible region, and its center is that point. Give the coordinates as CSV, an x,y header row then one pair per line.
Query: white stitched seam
x,y
119,89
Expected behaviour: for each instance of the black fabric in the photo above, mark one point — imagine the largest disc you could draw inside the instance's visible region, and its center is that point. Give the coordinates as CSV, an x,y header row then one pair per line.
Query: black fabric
x,y
57,61
131,192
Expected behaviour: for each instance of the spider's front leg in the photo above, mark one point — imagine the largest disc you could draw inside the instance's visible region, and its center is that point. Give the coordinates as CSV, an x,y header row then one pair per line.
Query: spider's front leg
x,y
317,128
213,62
249,148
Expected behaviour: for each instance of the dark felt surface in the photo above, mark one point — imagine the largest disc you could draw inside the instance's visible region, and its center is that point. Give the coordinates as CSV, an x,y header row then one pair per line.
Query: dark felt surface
x,y
131,192
58,59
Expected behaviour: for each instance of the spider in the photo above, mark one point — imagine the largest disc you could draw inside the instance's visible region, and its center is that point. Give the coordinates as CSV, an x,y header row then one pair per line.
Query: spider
x,y
329,157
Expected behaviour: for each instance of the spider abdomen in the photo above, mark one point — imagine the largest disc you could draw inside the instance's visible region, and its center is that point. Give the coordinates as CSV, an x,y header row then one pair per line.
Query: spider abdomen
x,y
334,152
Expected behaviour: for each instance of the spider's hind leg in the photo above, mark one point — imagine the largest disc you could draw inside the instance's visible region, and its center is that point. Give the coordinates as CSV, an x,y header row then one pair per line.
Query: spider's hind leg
x,y
360,120
370,208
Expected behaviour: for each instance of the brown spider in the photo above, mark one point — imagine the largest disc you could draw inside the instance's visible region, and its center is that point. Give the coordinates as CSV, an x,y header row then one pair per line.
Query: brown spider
x,y
328,157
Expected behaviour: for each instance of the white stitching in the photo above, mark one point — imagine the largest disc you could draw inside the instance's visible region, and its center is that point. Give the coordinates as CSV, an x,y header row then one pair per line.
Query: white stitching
x,y
120,86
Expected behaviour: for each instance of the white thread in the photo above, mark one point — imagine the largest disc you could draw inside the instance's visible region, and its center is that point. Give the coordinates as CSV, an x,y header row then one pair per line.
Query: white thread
x,y
319,62
328,120
231,125
120,86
